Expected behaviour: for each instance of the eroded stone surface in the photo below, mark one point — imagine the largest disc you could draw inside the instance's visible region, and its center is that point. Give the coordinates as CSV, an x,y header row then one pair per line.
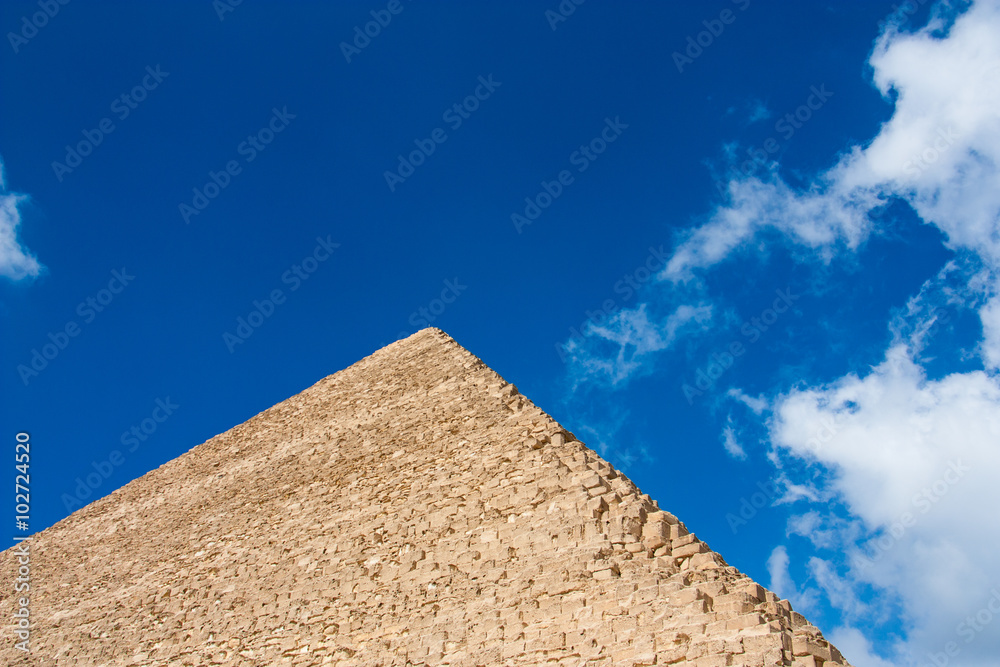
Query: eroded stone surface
x,y
413,509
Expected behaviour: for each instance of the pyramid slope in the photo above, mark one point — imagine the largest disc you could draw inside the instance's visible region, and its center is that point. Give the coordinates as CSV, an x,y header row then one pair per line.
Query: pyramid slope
x,y
412,509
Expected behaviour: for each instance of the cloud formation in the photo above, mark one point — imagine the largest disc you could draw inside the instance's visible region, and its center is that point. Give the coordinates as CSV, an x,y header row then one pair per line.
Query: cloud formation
x,y
16,262
914,459
903,511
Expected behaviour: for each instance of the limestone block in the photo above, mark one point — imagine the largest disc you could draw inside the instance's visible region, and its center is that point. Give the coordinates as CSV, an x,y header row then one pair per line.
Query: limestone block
x,y
689,549
803,646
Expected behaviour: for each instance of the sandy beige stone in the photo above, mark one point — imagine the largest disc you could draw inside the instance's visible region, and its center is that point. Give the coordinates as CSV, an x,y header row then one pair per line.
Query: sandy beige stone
x,y
412,509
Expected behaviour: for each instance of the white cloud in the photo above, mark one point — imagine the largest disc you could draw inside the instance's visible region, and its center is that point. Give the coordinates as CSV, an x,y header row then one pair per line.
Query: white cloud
x,y
757,405
839,592
730,442
16,261
804,524
615,350
794,492
855,647
939,152
989,314
777,569
941,148
783,585
916,462
817,219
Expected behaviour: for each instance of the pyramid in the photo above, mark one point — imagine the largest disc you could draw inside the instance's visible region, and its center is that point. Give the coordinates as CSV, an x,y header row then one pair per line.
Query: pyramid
x,y
412,509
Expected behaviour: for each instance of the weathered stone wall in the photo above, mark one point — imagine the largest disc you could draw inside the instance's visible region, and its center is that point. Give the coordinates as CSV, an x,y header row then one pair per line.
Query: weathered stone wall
x,y
412,509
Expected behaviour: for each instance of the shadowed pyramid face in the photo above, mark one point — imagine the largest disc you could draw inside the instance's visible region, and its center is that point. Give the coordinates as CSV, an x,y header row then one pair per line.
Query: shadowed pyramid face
x,y
411,509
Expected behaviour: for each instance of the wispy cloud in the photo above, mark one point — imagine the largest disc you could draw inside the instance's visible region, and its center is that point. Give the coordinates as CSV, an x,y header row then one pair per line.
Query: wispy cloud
x,y
750,112
16,262
817,219
757,405
758,111
783,584
614,351
731,442
838,590
853,643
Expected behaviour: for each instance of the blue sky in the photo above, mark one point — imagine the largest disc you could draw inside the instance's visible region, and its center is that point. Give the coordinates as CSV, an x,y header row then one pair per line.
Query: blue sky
x,y
748,252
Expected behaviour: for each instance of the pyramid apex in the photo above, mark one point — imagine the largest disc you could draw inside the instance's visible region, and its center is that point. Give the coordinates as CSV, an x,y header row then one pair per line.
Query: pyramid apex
x,y
413,507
